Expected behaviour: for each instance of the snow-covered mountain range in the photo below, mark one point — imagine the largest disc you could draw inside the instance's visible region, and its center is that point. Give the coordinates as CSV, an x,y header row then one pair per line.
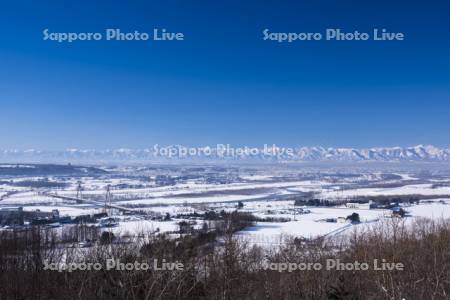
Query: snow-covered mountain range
x,y
311,154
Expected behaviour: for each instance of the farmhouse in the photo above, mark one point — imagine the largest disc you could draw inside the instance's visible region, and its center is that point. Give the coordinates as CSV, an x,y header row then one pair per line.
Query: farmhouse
x,y
358,205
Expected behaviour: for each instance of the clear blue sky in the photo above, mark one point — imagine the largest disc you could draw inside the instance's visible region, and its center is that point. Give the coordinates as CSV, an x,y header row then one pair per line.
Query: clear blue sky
x,y
224,84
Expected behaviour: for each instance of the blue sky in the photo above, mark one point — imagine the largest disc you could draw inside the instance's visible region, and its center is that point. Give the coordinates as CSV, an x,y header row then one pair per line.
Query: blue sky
x,y
223,84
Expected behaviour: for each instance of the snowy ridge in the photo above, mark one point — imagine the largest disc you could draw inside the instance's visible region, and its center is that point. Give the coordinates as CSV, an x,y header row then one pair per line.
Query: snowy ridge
x,y
311,154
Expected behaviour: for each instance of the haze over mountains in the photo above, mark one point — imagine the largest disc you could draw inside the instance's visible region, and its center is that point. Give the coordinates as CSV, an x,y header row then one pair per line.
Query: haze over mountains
x,y
299,154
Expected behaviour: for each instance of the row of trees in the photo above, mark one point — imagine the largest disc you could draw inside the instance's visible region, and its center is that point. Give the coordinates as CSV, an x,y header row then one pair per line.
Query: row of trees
x,y
224,266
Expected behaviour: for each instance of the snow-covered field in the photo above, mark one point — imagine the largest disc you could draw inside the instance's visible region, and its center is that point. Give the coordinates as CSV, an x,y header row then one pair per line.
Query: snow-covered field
x,y
271,234
308,225
434,210
413,189
266,192
143,227
192,200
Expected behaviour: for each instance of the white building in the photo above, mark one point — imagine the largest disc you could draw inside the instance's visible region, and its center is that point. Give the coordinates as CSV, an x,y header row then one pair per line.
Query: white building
x,y
359,205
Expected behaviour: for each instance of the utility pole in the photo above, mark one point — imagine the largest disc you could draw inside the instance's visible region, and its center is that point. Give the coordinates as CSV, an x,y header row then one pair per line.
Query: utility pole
x,y
79,195
108,199
295,210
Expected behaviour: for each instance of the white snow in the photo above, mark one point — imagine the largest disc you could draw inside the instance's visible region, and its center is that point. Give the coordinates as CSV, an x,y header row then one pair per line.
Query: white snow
x,y
415,189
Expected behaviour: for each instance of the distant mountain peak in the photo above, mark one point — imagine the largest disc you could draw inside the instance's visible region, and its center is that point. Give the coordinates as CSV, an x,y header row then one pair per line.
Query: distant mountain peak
x,y
299,154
